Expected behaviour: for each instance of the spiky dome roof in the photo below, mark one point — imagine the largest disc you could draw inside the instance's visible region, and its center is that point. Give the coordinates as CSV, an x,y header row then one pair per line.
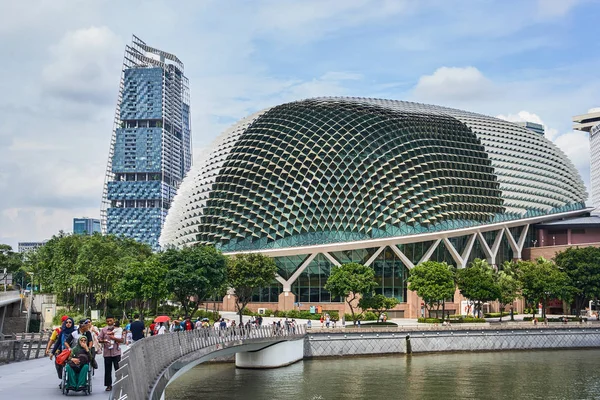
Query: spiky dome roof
x,y
330,170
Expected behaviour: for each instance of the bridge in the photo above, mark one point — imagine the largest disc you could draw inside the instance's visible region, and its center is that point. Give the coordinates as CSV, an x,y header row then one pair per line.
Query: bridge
x,y
7,301
148,366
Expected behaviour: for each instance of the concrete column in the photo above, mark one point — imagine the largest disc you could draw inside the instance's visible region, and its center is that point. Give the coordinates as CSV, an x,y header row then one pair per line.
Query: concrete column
x,y
413,303
229,302
541,238
2,321
568,236
276,355
286,301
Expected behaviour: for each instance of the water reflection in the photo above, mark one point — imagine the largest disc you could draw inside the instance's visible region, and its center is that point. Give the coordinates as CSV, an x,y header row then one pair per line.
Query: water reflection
x,y
572,374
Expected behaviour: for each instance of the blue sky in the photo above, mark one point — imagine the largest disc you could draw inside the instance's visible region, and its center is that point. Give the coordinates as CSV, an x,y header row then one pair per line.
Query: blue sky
x,y
519,59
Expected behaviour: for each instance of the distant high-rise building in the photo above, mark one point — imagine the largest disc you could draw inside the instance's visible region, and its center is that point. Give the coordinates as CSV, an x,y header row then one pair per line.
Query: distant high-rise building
x,y
86,226
590,123
151,146
25,247
532,126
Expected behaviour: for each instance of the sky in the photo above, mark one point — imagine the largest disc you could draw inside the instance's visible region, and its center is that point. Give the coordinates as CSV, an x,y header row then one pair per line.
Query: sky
x,y
535,60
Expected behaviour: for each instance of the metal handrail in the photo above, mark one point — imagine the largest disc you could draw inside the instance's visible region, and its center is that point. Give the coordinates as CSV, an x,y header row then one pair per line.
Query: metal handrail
x,y
146,360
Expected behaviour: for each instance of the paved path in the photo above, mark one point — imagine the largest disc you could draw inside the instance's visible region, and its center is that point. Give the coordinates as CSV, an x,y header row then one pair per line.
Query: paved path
x,y
37,379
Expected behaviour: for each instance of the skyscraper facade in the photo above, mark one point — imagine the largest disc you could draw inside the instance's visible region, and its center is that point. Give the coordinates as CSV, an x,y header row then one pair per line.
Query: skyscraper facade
x,y
151,147
532,126
86,226
590,123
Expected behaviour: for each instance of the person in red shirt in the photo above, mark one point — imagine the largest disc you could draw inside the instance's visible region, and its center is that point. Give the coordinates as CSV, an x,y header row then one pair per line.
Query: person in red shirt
x,y
187,324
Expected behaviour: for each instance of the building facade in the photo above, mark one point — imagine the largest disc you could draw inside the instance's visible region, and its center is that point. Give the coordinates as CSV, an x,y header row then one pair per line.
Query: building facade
x,y
25,247
86,226
151,148
389,184
590,123
532,126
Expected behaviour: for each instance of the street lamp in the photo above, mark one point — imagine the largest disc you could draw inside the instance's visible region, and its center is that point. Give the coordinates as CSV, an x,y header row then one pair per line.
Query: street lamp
x,y
30,304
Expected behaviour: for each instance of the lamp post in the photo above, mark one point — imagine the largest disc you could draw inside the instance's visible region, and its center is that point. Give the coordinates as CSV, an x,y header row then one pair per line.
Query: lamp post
x,y
30,304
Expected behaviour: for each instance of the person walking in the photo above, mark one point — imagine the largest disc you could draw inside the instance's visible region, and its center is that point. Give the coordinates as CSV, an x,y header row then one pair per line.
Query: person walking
x,y
186,324
111,354
137,328
68,326
55,335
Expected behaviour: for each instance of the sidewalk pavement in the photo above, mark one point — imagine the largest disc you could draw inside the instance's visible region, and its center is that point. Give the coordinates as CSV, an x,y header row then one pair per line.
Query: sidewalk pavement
x,y
37,379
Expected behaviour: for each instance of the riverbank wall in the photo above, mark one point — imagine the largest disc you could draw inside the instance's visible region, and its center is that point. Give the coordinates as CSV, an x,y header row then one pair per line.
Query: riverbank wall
x,y
362,342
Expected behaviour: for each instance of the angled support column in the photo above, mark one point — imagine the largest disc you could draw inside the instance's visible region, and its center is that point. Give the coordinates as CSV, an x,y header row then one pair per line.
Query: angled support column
x,y
517,246
407,262
332,259
491,252
287,285
430,251
468,248
461,259
374,256
454,253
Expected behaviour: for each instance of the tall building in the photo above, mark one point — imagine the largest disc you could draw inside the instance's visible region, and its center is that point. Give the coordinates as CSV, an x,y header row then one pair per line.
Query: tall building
x,y
151,146
590,123
532,126
24,247
86,226
389,184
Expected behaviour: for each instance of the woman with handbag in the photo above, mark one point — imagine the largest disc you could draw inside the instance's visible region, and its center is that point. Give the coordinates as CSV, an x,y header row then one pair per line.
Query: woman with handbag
x,y
67,328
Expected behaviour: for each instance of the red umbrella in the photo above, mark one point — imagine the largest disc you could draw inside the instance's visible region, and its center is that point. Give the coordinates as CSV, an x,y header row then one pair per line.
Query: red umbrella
x,y
162,318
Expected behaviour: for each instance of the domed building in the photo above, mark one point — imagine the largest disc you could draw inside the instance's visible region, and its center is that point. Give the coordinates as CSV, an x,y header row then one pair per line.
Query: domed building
x,y
326,181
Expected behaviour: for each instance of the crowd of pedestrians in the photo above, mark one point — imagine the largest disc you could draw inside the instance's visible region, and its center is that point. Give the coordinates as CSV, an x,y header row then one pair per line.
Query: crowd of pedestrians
x,y
84,337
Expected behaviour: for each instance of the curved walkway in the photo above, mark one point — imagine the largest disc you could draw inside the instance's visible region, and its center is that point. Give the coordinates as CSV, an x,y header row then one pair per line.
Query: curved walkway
x,y
37,379
150,364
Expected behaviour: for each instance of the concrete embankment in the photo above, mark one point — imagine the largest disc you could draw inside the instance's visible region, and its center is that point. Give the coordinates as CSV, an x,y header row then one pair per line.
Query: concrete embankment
x,y
351,342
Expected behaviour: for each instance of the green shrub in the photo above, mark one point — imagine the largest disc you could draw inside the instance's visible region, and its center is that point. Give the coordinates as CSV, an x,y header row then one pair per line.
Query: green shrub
x,y
496,314
213,316
430,320
348,317
333,314
369,316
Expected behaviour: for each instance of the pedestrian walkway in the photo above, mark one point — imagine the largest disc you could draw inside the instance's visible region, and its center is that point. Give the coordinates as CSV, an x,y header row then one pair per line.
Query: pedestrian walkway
x,y
37,379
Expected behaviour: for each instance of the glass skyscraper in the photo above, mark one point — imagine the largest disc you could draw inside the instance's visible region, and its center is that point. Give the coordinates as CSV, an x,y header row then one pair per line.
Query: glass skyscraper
x,y
151,149
86,226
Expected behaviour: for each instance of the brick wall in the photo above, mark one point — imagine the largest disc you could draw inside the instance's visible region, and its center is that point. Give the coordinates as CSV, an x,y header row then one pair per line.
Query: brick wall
x,y
549,252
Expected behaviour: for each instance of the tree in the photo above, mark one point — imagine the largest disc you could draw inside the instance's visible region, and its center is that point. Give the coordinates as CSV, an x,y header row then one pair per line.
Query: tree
x,y
143,282
508,285
582,266
378,303
351,281
9,259
193,273
245,274
434,283
542,280
476,282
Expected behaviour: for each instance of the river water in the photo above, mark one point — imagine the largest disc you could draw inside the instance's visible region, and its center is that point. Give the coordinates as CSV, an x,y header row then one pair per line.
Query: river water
x,y
568,374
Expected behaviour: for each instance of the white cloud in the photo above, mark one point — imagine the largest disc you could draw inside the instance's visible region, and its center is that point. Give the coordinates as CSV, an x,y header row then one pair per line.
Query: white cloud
x,y
526,116
576,146
456,83
84,66
555,8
